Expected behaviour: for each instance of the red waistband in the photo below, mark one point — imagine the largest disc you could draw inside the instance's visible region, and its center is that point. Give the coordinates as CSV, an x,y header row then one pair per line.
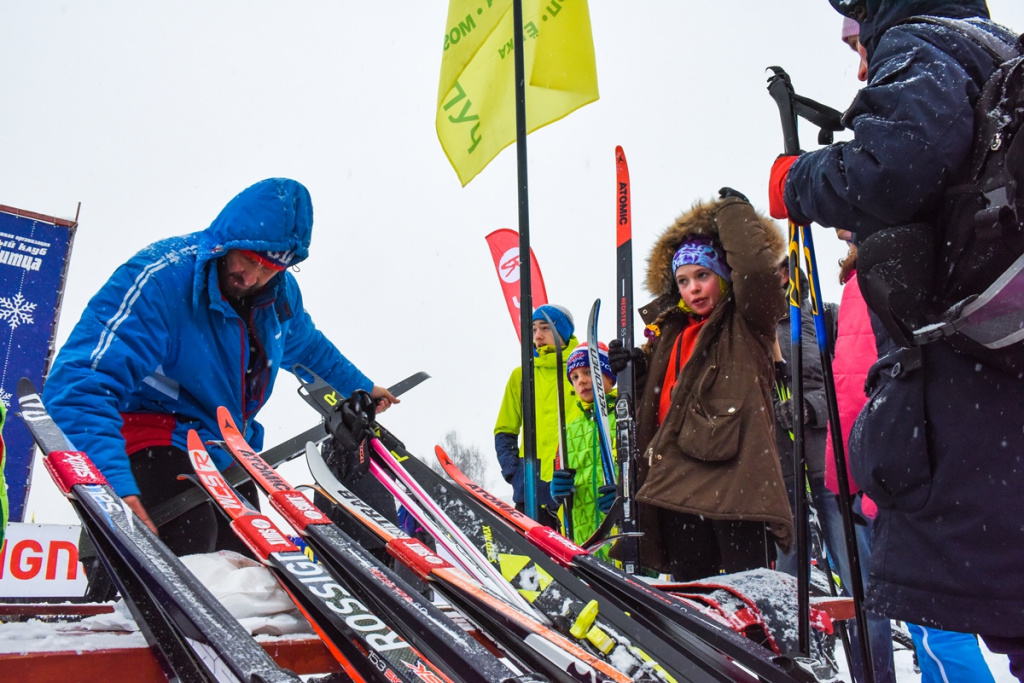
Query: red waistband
x,y
146,430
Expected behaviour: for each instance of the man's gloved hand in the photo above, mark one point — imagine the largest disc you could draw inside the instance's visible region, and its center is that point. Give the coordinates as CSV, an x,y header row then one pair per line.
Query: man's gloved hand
x,y
605,498
563,484
350,426
784,413
777,186
619,356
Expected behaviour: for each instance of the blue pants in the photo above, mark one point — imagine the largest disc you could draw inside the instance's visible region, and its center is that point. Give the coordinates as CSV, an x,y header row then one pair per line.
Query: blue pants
x,y
948,656
879,628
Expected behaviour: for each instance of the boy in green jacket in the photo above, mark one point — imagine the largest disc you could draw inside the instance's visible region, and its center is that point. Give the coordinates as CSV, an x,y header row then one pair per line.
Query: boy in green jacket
x,y
581,475
510,418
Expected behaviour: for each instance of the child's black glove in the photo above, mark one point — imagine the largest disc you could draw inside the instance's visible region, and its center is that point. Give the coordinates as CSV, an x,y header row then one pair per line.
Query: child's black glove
x,y
619,356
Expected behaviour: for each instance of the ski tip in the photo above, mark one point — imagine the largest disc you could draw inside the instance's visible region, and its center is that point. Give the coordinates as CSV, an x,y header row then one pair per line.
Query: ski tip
x,y
225,420
194,441
442,456
26,387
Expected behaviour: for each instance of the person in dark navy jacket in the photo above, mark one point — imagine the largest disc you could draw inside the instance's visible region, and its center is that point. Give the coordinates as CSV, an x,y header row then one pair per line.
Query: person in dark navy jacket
x,y
940,444
188,324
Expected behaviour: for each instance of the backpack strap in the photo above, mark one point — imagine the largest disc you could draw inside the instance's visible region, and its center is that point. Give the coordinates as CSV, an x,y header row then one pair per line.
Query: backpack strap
x,y
997,48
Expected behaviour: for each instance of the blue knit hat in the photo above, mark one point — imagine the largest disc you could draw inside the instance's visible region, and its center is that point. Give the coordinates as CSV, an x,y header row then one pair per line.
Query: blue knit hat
x,y
580,358
701,250
560,317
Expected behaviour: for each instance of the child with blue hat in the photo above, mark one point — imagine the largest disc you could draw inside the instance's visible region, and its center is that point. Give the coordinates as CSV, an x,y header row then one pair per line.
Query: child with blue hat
x,y
546,376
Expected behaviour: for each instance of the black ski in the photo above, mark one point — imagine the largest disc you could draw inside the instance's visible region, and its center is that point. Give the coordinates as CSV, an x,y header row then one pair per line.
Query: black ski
x,y
192,634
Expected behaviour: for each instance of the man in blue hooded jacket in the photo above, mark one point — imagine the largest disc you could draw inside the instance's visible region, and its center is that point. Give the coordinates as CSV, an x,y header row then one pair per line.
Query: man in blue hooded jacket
x,y
188,324
939,444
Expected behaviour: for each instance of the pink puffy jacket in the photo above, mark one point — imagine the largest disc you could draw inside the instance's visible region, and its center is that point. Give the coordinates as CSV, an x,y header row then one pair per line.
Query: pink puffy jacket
x,y
854,355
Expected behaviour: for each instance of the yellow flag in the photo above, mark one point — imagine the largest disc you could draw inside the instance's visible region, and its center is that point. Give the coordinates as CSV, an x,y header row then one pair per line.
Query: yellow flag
x,y
476,105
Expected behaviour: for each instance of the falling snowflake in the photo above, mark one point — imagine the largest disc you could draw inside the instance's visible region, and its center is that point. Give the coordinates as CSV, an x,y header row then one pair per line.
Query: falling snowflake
x,y
16,311
5,397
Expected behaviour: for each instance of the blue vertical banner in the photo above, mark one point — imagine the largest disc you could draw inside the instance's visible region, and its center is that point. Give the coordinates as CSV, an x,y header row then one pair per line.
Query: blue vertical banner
x,y
34,254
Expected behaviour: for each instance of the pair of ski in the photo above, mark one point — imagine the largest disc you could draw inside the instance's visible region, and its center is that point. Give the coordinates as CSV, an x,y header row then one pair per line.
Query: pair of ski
x,y
622,514
192,636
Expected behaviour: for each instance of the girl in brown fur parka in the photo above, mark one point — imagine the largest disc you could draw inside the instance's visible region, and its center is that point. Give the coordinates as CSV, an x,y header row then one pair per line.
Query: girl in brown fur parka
x,y
710,479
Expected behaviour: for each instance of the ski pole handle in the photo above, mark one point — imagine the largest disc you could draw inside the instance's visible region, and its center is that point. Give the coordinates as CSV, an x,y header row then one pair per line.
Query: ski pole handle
x,y
781,90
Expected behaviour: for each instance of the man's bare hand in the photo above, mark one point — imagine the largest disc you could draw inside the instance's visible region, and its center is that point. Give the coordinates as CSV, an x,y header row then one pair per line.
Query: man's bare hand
x,y
135,503
383,398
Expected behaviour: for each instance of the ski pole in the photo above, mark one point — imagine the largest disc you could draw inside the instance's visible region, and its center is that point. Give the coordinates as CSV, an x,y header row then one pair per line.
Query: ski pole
x,y
790,104
782,391
803,571
839,453
562,443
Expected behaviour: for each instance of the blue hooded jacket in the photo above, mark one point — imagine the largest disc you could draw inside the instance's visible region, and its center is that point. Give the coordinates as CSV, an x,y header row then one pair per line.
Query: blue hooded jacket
x,y
913,123
159,348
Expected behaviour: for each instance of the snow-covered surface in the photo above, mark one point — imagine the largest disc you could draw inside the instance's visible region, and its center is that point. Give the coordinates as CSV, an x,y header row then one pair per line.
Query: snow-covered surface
x,y
249,592
244,587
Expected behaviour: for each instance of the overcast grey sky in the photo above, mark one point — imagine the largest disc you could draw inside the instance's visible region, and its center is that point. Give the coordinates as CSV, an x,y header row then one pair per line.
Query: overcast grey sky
x,y
154,114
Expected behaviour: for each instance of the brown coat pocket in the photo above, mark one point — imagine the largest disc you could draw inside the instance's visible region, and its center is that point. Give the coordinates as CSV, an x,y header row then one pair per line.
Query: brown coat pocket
x,y
711,430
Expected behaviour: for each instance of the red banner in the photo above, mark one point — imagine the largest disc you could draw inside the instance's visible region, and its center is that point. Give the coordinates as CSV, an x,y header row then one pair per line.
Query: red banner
x,y
504,244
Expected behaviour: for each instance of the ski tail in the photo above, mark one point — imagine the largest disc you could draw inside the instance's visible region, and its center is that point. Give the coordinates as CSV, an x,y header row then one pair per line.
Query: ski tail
x,y
459,657
192,634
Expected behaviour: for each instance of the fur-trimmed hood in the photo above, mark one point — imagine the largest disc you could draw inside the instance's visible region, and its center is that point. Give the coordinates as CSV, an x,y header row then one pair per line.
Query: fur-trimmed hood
x,y
701,219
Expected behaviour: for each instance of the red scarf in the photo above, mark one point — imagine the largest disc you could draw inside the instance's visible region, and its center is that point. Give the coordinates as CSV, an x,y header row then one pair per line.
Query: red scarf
x,y
682,349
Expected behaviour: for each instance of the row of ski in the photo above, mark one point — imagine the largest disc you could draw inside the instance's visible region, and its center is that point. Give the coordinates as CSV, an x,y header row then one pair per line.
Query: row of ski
x,y
540,608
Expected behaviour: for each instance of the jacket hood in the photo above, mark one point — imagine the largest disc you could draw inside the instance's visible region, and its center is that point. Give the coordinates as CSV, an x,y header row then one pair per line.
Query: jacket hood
x,y
881,15
274,215
699,220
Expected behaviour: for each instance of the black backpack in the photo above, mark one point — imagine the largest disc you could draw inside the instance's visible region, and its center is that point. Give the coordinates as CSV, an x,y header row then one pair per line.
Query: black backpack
x,y
978,287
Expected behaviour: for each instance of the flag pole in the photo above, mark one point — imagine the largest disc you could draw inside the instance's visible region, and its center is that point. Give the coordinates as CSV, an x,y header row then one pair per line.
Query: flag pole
x,y
525,291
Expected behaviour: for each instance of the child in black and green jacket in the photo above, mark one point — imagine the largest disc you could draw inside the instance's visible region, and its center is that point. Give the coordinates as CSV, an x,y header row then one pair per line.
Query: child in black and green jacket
x,y
581,475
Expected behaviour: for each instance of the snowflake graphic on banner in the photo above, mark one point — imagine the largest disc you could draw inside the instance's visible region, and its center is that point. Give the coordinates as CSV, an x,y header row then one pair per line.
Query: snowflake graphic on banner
x,y
16,311
5,397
